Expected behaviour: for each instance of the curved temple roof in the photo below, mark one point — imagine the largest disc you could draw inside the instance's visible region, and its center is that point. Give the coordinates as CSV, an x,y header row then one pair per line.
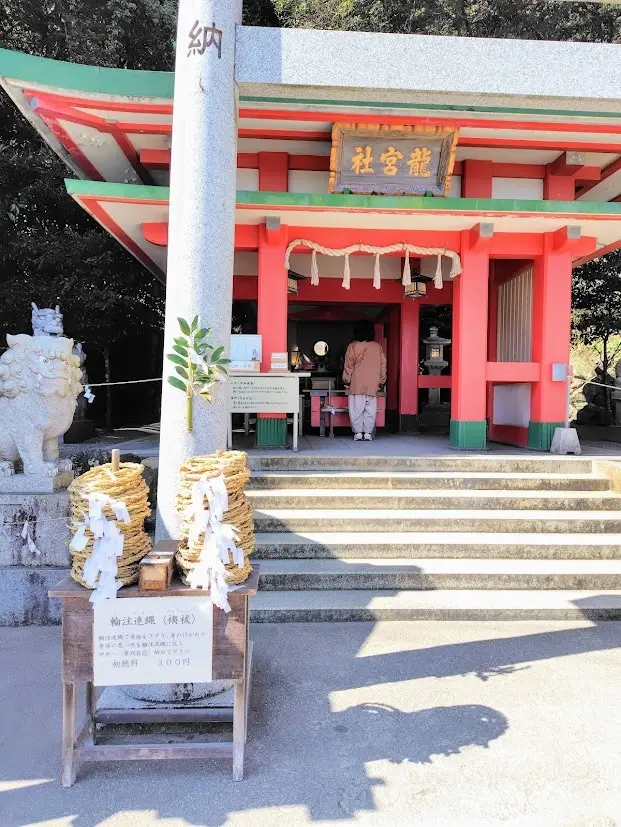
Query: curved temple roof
x,y
515,102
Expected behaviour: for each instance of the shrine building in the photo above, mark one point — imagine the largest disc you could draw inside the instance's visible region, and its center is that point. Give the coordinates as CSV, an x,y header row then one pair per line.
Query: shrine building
x,y
467,177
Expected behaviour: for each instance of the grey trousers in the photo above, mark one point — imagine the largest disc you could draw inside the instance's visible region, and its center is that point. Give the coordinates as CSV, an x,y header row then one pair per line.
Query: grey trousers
x,y
362,413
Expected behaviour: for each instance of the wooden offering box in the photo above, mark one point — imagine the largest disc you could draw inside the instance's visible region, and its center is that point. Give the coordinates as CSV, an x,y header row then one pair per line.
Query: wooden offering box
x,y
230,661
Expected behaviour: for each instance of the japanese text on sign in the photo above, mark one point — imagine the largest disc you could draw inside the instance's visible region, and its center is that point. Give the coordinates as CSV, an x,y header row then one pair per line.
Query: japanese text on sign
x,y
202,37
152,640
264,394
386,160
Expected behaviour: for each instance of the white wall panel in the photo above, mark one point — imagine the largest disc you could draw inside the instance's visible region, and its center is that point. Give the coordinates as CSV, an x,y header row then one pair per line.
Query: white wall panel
x,y
528,188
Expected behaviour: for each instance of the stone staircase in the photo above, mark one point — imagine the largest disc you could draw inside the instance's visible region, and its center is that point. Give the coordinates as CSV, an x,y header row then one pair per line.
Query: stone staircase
x,y
455,538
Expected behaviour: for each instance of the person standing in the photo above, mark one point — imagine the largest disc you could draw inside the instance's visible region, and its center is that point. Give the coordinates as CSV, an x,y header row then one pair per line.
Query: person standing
x,y
363,376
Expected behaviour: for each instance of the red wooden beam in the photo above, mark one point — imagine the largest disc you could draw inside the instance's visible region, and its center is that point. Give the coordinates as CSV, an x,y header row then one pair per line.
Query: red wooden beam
x,y
513,371
473,123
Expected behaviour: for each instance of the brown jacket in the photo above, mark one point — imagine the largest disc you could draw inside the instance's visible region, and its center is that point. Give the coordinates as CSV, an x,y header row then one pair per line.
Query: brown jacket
x,y
365,368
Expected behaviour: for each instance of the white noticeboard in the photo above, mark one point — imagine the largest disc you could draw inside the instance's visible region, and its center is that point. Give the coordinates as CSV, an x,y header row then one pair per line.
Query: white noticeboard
x,y
264,393
152,640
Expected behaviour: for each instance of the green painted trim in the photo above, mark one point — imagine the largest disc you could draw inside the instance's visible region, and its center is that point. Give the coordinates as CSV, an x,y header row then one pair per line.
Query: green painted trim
x,y
78,77
540,434
271,432
107,189
377,203
380,203
468,436
432,107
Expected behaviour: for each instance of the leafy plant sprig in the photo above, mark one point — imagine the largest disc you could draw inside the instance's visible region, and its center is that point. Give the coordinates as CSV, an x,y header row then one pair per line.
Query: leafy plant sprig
x,y
198,364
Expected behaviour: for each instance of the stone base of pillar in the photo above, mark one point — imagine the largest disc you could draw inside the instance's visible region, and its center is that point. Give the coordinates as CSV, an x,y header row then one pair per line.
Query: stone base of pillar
x,y
271,432
468,436
408,424
541,434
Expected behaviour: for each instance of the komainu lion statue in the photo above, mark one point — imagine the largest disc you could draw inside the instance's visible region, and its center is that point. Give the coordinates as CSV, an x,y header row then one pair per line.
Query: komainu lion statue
x,y
39,385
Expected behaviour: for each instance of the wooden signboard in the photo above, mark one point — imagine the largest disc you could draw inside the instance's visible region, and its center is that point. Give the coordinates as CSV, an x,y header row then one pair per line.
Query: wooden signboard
x,y
392,160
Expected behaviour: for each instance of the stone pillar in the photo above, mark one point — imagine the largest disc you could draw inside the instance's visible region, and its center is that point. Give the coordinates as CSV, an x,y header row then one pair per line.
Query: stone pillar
x,y
272,311
201,224
408,387
469,353
551,335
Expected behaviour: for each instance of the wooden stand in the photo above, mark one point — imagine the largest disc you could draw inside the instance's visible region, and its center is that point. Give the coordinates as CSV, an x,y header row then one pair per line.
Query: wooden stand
x,y
231,662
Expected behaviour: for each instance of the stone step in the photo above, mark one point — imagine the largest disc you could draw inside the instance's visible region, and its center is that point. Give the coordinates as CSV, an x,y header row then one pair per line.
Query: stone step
x,y
424,520
456,462
466,604
367,499
453,480
443,573
387,546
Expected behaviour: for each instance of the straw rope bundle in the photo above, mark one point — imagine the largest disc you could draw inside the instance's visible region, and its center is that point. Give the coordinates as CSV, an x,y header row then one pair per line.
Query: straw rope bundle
x,y
233,467
125,485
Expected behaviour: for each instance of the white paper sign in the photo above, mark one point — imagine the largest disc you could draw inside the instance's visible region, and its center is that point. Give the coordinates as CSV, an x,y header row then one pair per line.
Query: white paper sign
x,y
152,640
264,393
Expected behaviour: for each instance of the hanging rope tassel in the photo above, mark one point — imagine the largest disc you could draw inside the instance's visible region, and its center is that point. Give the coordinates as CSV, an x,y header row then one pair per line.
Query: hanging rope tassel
x,y
346,273
407,273
377,276
438,276
314,269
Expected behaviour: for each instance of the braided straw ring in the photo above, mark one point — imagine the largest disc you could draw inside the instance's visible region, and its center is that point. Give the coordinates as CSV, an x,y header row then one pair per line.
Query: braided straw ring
x,y
128,486
232,465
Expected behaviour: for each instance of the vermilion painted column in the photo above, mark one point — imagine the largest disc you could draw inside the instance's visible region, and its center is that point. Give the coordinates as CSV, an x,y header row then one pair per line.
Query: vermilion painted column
x,y
272,322
408,365
273,171
551,337
469,349
559,187
476,179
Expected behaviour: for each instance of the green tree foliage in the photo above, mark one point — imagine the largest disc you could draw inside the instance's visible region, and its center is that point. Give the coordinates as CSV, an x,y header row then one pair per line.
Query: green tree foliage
x,y
596,319
534,19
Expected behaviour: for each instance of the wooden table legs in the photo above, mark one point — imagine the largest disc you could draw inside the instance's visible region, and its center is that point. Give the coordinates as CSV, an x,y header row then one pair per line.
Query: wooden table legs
x,y
68,757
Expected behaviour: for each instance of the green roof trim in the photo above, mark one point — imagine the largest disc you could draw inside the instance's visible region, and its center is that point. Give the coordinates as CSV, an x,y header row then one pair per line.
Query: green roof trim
x,y
79,77
417,203
377,203
106,189
432,107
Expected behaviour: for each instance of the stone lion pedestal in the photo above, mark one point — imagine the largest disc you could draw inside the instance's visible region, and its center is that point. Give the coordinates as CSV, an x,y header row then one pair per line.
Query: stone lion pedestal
x,y
39,385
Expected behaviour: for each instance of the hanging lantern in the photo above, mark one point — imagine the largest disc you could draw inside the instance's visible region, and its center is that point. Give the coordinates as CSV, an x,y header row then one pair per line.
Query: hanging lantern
x,y
417,288
292,282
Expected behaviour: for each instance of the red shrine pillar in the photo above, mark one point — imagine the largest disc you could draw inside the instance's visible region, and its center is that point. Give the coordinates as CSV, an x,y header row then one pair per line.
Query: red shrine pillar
x,y
551,338
469,350
408,366
272,312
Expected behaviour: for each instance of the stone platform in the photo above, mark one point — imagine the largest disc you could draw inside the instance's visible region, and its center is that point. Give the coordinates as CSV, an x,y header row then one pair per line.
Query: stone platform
x,y
25,575
21,484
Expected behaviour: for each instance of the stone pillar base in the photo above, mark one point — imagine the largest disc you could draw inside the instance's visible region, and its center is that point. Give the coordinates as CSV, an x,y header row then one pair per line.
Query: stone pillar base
x,y
271,432
26,576
468,436
541,434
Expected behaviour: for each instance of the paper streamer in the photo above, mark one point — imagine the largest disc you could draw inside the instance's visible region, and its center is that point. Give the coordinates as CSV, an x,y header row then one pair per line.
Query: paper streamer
x,y
437,280
29,541
314,269
346,274
377,276
407,272
220,542
101,568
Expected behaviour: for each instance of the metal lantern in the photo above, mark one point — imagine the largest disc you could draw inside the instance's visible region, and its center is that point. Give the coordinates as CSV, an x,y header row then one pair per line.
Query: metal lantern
x,y
416,289
292,282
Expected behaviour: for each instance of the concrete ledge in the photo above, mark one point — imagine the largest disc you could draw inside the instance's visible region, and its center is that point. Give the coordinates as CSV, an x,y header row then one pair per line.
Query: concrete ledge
x,y
23,596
